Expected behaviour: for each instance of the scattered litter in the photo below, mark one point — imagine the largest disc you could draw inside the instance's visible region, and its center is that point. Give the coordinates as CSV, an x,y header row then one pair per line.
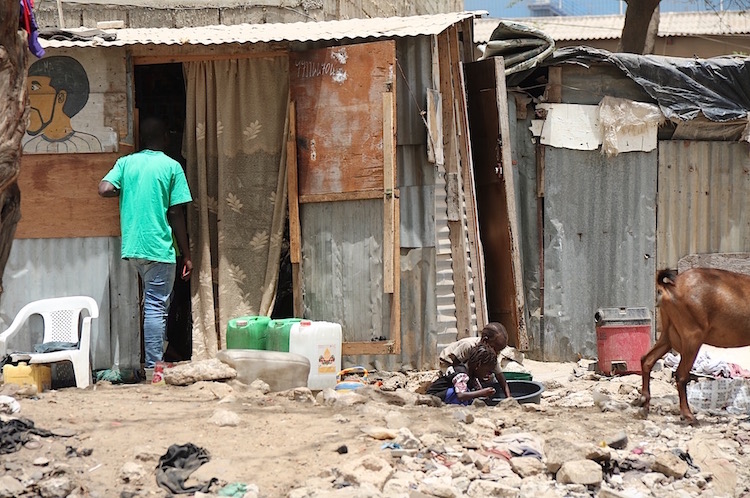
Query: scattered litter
x,y
379,433
176,465
390,446
15,432
9,404
235,490
71,452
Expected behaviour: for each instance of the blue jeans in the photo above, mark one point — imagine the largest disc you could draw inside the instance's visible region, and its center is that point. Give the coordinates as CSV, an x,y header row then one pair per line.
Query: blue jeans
x,y
158,280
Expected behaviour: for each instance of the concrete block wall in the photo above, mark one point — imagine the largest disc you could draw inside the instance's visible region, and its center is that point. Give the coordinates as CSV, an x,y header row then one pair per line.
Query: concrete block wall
x,y
169,13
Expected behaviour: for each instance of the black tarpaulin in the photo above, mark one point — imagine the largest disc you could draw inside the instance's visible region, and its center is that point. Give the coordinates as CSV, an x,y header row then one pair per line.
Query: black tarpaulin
x,y
719,88
522,47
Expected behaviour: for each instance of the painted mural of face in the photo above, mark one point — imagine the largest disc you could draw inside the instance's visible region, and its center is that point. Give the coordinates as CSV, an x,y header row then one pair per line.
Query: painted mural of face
x,y
46,103
58,89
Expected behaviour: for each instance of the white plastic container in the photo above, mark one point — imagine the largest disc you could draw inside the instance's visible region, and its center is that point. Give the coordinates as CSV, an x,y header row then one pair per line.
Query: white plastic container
x,y
319,342
281,371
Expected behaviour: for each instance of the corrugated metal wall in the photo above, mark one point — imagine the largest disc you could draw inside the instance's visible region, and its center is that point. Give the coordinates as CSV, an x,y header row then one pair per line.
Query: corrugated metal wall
x,y
599,240
523,150
704,199
343,266
43,268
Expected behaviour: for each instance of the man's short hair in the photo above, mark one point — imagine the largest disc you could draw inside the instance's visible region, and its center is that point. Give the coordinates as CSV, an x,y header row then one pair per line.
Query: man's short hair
x,y
65,73
152,131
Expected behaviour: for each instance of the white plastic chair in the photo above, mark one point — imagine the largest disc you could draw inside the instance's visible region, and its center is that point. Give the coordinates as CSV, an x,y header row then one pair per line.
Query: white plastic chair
x,y
61,319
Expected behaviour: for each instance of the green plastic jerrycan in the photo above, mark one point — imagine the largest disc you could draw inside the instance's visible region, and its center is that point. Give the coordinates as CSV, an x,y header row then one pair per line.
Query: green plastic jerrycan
x,y
247,332
278,334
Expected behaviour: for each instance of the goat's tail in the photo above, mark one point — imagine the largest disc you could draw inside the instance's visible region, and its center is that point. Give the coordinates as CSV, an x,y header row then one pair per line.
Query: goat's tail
x,y
664,282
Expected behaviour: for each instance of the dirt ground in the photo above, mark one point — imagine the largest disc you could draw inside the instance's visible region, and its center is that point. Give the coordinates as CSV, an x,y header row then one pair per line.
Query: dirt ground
x,y
280,443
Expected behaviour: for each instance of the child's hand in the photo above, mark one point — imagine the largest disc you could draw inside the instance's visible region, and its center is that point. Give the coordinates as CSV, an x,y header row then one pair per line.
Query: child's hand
x,y
487,391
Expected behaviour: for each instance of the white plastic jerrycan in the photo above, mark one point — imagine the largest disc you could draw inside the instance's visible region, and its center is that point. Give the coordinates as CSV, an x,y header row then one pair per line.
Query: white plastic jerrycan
x,y
319,342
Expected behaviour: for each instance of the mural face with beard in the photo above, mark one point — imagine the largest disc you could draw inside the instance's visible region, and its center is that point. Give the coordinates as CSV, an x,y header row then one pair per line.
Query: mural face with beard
x,y
58,89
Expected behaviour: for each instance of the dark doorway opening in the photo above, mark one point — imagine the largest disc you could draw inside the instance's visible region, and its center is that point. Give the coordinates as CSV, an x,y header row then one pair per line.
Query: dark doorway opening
x,y
284,304
160,92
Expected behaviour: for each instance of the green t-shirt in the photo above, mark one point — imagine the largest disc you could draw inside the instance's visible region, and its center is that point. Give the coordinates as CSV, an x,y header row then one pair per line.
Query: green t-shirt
x,y
149,183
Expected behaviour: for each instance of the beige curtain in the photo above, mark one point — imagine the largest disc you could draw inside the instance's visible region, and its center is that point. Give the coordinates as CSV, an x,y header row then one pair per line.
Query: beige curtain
x,y
235,129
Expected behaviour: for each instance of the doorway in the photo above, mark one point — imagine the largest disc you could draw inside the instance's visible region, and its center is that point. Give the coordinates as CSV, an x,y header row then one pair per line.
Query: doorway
x,y
160,92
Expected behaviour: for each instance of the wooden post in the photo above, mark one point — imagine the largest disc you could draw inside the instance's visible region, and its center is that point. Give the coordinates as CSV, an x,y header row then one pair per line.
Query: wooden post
x,y
389,174
295,232
554,84
455,227
509,174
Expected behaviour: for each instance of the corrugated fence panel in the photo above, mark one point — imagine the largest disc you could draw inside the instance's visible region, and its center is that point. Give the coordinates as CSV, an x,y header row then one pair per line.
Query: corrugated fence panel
x,y
523,150
599,239
43,268
704,199
418,325
416,176
343,266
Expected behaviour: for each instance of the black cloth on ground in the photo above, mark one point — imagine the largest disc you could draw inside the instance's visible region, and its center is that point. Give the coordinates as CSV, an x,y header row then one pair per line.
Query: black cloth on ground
x,y
15,432
176,465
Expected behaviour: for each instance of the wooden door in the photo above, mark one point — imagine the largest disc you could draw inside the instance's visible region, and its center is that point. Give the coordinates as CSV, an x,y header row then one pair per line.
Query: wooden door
x,y
342,168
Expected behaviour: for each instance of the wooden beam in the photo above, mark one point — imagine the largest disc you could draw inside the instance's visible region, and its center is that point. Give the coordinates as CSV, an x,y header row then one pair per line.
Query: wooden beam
x,y
396,296
389,177
295,234
467,40
140,60
476,254
540,151
357,348
341,196
295,231
509,175
447,53
554,84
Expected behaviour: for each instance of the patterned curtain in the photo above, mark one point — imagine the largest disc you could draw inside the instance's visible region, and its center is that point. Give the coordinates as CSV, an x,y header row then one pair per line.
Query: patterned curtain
x,y
235,129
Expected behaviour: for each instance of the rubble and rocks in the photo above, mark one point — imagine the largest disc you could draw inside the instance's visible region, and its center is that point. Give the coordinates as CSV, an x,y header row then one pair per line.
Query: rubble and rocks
x,y
194,371
401,445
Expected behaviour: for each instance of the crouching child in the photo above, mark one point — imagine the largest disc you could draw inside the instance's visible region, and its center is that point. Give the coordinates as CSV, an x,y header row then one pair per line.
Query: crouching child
x,y
462,383
493,335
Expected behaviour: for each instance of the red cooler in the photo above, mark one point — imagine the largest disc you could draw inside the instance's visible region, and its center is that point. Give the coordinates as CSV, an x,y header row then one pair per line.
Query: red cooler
x,y
623,335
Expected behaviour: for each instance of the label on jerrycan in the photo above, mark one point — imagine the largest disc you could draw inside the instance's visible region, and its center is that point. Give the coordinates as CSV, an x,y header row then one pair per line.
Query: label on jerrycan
x,y
326,359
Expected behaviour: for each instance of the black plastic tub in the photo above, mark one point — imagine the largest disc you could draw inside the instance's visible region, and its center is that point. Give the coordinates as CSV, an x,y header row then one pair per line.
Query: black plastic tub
x,y
523,391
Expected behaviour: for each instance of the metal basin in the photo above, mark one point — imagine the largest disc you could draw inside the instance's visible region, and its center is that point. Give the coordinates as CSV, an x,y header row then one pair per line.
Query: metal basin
x,y
523,391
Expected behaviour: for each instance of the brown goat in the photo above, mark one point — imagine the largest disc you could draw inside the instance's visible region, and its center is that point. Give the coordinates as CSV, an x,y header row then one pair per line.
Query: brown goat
x,y
698,306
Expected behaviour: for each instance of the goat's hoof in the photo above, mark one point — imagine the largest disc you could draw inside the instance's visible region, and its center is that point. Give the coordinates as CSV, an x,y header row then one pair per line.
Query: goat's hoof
x,y
643,412
639,402
691,421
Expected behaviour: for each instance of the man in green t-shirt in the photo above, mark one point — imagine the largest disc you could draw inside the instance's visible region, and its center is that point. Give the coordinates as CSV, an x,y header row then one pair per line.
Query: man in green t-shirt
x,y
152,189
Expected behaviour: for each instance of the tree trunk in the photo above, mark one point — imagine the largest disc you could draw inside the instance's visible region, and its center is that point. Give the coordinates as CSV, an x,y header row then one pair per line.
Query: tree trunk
x,y
13,55
635,33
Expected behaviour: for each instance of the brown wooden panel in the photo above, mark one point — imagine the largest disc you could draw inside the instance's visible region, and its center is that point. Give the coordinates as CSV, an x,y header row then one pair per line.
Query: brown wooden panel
x,y
59,196
338,93
494,174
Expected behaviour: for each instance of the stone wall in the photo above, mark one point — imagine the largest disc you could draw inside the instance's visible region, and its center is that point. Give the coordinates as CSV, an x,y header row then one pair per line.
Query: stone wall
x,y
173,14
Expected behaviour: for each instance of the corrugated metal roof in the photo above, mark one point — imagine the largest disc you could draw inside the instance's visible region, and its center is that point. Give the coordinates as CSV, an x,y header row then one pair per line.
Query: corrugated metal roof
x,y
387,27
610,27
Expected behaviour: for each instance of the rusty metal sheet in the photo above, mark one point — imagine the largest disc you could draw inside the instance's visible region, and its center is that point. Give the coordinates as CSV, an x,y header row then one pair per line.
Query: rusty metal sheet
x,y
338,94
